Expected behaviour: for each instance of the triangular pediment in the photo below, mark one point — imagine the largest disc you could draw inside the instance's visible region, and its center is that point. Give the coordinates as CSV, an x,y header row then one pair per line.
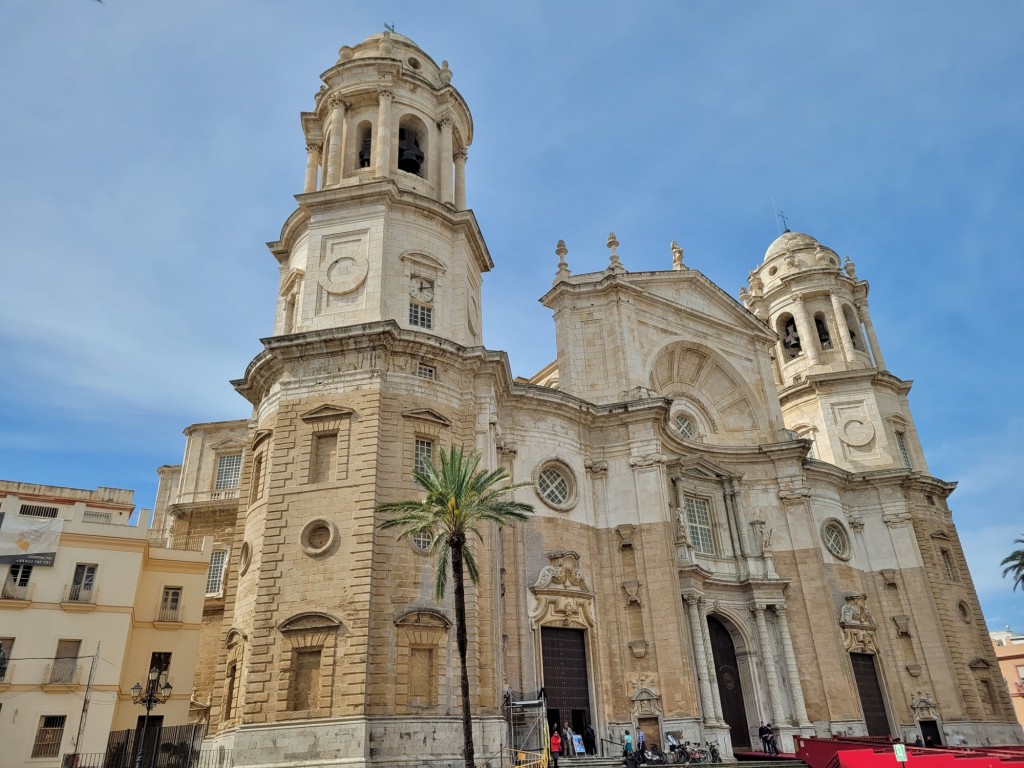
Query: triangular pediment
x,y
428,415
702,467
294,276
323,412
227,445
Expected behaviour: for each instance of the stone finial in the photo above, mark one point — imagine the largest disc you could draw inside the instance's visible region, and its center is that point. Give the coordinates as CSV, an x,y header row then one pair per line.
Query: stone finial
x,y
614,264
563,267
677,256
445,74
386,46
850,267
345,54
744,294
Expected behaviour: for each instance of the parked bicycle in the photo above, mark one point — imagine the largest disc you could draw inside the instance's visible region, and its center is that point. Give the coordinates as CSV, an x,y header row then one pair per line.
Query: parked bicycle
x,y
716,756
687,753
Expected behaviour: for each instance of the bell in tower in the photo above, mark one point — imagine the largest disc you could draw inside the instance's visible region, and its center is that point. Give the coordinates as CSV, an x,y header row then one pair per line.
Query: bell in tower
x,y
410,157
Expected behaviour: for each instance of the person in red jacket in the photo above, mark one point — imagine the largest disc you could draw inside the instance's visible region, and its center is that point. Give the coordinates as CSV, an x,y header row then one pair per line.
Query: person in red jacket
x,y
556,745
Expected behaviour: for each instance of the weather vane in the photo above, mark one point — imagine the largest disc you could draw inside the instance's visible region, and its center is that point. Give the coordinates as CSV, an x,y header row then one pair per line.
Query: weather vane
x,y
389,27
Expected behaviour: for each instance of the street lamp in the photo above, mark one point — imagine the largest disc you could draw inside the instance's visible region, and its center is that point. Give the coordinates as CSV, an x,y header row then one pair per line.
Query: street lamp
x,y
157,691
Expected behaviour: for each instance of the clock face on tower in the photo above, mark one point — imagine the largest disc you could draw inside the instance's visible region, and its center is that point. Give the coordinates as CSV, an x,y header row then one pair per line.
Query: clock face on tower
x,y
422,290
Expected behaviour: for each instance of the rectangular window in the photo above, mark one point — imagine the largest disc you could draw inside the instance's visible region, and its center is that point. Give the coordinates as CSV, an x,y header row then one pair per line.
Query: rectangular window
x,y
426,371
901,443
949,565
93,516
424,454
34,510
228,470
257,478
82,584
16,584
325,457
6,649
229,695
698,518
215,576
161,662
421,316
49,736
303,690
65,662
170,604
1020,670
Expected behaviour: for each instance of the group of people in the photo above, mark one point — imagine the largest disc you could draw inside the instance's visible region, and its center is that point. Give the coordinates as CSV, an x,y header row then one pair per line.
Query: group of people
x,y
768,744
563,742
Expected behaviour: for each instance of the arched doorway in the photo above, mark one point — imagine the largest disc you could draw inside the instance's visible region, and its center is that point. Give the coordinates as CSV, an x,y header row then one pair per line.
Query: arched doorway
x,y
730,691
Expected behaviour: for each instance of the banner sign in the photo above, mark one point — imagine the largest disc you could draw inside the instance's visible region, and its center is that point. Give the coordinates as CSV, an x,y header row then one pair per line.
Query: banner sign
x,y
29,540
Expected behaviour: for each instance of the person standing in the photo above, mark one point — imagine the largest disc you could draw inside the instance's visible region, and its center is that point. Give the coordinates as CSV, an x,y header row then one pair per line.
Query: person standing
x,y
627,745
641,741
556,745
763,733
590,740
773,746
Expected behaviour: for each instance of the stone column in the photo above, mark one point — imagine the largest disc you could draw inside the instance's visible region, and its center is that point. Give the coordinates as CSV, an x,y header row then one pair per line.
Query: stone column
x,y
869,329
313,149
792,669
712,672
768,663
700,656
447,159
386,96
805,327
844,329
334,153
460,179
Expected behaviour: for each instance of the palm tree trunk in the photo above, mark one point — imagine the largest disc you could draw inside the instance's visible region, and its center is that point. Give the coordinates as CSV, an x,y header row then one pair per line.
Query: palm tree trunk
x,y
461,639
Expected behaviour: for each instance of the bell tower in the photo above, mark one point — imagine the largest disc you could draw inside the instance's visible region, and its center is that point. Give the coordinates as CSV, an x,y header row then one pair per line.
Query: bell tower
x,y
382,231
834,387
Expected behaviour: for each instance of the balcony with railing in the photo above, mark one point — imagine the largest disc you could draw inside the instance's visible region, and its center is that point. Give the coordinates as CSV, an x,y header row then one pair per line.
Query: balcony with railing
x,y
1017,688
16,592
202,497
6,673
62,672
169,614
192,542
79,597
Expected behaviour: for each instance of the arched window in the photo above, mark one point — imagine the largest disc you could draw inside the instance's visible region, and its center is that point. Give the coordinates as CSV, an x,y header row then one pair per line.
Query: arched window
x,y
412,145
853,323
364,144
786,328
821,326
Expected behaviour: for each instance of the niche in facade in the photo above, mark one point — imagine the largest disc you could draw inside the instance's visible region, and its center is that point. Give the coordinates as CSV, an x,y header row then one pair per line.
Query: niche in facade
x,y
790,338
412,139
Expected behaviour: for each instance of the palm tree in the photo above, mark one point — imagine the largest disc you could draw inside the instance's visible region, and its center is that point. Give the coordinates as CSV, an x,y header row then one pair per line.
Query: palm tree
x,y
1014,565
460,498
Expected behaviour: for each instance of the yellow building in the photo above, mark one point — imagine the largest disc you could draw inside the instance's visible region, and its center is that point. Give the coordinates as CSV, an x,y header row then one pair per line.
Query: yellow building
x,y
1010,653
89,604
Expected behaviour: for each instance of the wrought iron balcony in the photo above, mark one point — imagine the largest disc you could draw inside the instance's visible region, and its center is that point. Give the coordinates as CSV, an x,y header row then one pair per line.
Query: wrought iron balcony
x,y
62,672
188,542
12,591
170,613
6,673
77,593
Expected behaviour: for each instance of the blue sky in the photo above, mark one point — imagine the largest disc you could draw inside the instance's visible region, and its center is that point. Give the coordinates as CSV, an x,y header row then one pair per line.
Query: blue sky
x,y
149,150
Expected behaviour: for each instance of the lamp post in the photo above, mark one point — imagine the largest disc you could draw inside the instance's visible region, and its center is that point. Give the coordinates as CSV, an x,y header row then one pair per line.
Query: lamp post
x,y
157,691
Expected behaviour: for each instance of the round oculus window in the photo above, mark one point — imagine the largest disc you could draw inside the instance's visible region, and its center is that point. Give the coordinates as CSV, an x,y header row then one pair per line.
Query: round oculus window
x,y
555,485
421,542
964,611
836,540
684,426
244,558
317,537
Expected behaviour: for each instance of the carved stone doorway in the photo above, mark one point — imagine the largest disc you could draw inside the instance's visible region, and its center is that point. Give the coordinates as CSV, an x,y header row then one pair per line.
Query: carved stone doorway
x,y
566,679
730,691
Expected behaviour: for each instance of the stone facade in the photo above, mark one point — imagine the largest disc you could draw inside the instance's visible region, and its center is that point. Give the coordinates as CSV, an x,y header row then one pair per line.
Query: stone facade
x,y
734,518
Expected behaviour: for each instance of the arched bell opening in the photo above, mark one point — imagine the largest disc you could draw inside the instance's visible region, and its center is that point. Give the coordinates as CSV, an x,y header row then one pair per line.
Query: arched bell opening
x,y
853,323
412,146
364,144
732,673
785,326
821,327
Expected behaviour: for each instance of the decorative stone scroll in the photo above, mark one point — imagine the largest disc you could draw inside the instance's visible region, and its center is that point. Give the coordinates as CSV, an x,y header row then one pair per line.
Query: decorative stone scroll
x,y
858,625
922,704
562,594
645,698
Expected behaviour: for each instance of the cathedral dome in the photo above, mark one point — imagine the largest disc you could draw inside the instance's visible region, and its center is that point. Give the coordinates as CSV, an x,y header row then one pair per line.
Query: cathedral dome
x,y
788,242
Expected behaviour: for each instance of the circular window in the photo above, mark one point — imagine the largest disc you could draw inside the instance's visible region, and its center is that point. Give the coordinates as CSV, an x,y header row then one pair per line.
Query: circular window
x,y
833,261
555,485
414,62
317,537
685,426
836,540
421,542
773,272
244,558
964,610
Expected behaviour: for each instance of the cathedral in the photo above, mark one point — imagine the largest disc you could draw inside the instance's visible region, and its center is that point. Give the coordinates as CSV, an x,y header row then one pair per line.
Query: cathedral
x,y
734,518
